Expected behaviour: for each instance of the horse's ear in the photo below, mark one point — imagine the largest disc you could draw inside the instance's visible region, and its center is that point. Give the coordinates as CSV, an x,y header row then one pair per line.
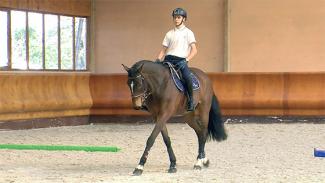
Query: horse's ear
x,y
140,68
126,68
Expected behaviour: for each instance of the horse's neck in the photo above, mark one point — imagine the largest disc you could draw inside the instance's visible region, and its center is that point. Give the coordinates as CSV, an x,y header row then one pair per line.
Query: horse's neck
x,y
156,78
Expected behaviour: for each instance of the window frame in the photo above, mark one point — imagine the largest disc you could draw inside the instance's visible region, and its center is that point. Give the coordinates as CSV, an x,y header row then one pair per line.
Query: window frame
x,y
43,69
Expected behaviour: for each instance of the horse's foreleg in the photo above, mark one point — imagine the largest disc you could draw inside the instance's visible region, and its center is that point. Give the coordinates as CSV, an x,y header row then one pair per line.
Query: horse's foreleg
x,y
172,158
151,140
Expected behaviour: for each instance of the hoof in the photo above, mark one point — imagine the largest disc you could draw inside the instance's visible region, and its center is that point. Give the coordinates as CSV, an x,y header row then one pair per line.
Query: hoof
x,y
137,172
196,167
206,164
172,170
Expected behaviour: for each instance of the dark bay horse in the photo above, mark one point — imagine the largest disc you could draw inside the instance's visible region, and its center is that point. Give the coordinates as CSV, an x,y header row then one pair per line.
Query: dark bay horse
x,y
152,89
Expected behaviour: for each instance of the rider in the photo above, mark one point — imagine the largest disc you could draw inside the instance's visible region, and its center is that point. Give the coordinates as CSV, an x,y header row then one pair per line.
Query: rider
x,y
179,47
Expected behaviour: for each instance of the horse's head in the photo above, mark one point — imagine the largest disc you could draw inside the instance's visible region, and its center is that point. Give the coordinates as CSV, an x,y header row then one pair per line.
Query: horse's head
x,y
137,85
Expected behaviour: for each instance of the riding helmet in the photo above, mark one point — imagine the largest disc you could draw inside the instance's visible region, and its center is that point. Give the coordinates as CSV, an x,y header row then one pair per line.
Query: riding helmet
x,y
179,11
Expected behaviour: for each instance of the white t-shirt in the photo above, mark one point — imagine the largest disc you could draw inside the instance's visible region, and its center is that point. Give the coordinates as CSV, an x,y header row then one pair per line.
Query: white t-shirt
x,y
178,41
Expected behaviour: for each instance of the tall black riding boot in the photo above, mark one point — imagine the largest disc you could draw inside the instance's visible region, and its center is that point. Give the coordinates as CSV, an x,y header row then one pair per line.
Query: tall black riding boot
x,y
190,105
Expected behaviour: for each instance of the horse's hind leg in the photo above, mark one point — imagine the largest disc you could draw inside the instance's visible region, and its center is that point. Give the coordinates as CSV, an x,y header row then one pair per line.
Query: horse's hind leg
x,y
201,129
172,158
201,158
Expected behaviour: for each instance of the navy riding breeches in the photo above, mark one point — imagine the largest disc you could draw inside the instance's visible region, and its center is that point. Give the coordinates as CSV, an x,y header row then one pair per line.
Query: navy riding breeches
x,y
181,64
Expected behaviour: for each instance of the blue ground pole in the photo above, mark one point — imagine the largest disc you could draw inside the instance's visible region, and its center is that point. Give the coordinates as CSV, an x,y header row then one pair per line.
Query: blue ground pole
x,y
319,153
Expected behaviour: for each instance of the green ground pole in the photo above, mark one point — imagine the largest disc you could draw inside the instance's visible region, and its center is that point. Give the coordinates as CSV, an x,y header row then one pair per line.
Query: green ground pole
x,y
60,148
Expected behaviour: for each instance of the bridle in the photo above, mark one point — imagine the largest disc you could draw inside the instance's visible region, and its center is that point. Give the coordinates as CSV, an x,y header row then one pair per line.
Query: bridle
x,y
146,93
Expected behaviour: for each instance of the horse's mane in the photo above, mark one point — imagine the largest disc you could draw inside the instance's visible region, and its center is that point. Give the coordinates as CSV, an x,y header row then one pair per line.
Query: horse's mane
x,y
137,64
149,67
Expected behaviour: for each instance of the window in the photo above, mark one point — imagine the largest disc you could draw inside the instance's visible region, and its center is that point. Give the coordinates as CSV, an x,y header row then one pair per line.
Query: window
x,y
80,27
51,42
66,24
3,40
35,40
18,40
39,41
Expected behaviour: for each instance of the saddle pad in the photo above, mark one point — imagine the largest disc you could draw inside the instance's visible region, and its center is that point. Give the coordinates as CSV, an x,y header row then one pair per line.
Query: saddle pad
x,y
178,82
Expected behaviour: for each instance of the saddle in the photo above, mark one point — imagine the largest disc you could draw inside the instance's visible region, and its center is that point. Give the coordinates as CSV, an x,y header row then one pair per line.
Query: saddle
x,y
178,80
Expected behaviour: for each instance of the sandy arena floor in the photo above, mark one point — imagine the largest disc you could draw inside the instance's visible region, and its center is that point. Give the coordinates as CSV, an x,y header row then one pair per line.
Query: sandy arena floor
x,y
252,153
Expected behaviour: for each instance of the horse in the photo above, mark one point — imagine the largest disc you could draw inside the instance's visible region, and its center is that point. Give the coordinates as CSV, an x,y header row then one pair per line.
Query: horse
x,y
152,89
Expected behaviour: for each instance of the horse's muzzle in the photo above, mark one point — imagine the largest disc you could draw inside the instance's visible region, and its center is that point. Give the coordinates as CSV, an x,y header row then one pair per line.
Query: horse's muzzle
x,y
137,103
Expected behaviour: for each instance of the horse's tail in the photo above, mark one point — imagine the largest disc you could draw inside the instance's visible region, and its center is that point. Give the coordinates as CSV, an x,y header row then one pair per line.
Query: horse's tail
x,y
216,129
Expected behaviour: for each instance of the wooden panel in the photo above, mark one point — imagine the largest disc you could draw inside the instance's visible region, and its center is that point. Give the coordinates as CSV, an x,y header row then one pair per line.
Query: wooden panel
x,y
239,94
28,95
271,93
238,90
109,91
44,123
49,95
111,95
66,7
42,113
305,91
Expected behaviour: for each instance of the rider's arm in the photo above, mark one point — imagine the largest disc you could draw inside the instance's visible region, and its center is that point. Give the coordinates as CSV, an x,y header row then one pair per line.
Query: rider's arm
x,y
193,52
162,53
